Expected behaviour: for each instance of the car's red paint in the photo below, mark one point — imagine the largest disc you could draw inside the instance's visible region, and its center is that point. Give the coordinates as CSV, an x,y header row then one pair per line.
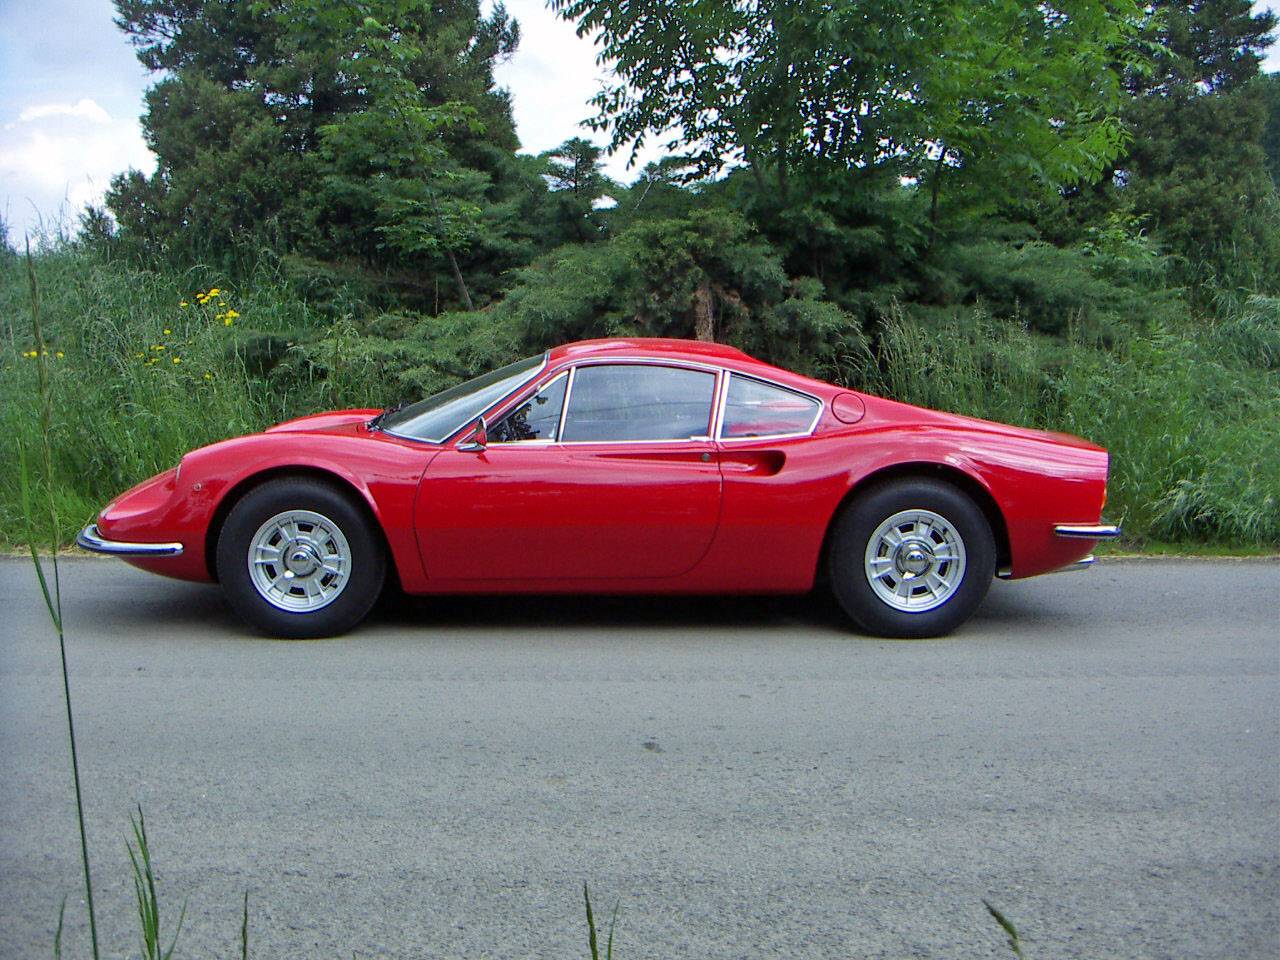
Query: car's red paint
x,y
697,516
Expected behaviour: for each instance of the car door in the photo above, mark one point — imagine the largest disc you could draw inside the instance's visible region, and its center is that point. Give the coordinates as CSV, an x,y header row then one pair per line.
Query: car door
x,y
606,473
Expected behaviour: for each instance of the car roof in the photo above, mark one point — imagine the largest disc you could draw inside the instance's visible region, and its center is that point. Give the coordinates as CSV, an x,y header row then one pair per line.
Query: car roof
x,y
647,347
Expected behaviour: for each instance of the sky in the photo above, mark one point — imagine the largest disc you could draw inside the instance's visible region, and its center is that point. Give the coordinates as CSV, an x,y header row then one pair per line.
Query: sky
x,y
71,93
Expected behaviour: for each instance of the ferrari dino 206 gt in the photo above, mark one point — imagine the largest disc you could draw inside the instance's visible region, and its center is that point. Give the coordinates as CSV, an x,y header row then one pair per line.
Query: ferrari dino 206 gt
x,y
620,466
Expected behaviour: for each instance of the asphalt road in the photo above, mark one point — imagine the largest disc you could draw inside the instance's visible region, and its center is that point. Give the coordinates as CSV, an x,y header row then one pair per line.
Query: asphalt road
x,y
1097,753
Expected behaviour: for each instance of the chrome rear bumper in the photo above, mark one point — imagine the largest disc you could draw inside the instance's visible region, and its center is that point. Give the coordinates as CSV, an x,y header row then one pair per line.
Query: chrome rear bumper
x,y
1083,563
90,539
1077,531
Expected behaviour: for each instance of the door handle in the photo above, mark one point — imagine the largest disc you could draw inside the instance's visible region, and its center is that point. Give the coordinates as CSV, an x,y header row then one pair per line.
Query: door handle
x,y
763,463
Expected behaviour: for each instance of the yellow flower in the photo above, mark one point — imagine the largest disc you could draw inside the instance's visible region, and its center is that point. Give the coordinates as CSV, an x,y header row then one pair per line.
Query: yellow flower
x,y
177,359
214,292
184,304
232,314
59,354
227,322
167,331
158,347
208,376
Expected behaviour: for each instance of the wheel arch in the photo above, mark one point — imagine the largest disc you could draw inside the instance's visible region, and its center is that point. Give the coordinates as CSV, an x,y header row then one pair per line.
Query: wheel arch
x,y
928,470
242,487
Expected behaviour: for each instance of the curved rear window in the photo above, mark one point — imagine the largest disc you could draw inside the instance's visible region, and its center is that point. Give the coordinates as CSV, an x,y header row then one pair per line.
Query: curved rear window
x,y
437,417
756,409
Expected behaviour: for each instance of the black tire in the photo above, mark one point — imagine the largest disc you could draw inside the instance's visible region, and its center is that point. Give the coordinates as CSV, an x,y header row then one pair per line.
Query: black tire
x,y
364,580
852,534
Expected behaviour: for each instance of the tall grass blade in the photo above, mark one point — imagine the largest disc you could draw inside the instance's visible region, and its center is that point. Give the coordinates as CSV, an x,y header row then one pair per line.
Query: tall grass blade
x,y
613,923
53,599
1015,941
144,886
591,925
57,936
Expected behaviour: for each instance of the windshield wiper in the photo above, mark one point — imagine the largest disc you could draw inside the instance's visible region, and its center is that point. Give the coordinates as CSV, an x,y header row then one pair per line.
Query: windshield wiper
x,y
376,422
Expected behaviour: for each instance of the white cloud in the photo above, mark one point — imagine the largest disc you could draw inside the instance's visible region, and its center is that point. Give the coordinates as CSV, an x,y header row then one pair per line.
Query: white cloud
x,y
50,169
86,109
552,77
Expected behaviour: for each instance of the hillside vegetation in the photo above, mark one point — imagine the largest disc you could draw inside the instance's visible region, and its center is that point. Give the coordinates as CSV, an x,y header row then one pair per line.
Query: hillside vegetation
x,y
1063,221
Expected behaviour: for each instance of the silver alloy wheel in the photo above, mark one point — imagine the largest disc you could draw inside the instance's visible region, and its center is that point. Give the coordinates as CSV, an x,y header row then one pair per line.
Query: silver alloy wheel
x,y
915,561
299,561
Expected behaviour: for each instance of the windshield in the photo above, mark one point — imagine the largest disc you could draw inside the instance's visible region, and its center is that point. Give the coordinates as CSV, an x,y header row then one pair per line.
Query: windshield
x,y
436,417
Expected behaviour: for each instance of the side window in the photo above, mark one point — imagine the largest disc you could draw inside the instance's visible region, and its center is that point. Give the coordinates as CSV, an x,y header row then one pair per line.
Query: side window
x,y
537,418
756,409
638,401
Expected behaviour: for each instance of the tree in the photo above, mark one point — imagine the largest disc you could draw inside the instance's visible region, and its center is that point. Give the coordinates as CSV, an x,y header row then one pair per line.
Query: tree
x,y
368,132
1209,45
576,182
1196,173
1005,93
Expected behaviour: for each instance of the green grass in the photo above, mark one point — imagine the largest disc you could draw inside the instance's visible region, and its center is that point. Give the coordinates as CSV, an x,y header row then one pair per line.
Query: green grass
x,y
1191,414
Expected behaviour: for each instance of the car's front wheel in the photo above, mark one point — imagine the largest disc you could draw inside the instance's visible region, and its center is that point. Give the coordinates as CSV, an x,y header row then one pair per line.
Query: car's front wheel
x,y
911,558
296,558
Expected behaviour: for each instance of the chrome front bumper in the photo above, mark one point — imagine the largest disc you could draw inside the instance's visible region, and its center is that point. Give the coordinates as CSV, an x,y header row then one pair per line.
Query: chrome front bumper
x,y
90,539
1077,531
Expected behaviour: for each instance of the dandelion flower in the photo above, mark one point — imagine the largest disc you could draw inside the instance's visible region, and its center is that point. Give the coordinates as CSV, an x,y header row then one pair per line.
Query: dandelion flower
x,y
227,322
233,314
59,354
214,292
208,376
167,331
177,359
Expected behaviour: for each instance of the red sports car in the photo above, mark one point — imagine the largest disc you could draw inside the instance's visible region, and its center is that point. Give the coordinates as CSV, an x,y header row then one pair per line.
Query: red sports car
x,y
620,466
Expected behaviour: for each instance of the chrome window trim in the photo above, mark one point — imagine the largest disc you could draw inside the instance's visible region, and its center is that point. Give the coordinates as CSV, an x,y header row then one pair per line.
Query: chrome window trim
x,y
718,372
724,402
533,375
508,411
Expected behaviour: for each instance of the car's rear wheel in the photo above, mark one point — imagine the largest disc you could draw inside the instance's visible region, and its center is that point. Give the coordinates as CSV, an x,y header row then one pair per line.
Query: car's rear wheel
x,y
911,558
297,558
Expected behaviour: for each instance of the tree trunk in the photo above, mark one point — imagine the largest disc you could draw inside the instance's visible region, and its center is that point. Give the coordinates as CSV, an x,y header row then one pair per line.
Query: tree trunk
x,y
933,197
457,276
704,319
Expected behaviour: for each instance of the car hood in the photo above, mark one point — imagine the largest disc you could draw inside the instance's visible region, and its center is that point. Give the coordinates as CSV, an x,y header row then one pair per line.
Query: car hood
x,y
335,421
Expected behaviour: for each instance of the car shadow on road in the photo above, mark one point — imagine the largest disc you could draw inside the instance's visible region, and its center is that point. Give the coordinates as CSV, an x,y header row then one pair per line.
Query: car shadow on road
x,y
182,608
817,610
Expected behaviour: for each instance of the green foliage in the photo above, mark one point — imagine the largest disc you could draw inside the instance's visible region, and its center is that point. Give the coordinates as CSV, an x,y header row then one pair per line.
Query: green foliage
x,y
1215,45
332,130
1198,176
1052,289
1271,131
576,183
1004,94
